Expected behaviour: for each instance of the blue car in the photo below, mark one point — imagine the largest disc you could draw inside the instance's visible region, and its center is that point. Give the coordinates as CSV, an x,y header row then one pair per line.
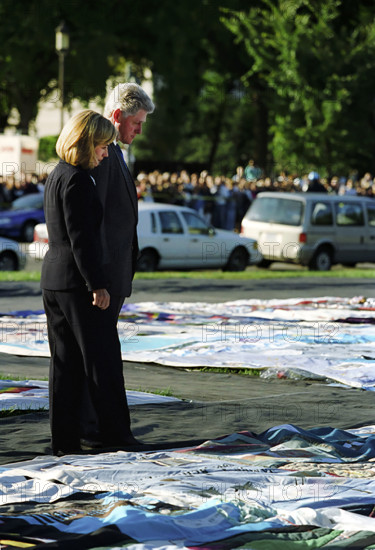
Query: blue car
x,y
19,219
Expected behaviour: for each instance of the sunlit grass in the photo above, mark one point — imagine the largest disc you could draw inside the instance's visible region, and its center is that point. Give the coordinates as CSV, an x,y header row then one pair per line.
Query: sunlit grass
x,y
260,274
15,276
19,379
224,370
249,274
166,392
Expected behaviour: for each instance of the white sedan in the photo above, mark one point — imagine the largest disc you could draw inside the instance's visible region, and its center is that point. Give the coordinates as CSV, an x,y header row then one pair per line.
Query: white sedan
x,y
176,237
12,257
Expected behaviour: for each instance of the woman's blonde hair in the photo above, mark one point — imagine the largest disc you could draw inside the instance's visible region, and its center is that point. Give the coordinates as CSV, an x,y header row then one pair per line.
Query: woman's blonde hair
x,y
81,134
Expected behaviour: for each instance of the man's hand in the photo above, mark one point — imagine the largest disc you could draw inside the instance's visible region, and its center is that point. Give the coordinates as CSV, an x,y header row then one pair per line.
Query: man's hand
x,y
101,298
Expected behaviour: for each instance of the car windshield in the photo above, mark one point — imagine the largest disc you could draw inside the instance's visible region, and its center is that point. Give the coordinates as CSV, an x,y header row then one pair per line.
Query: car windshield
x,y
29,201
276,210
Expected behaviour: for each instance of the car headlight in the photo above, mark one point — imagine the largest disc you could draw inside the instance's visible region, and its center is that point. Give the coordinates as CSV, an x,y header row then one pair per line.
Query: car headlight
x,y
5,221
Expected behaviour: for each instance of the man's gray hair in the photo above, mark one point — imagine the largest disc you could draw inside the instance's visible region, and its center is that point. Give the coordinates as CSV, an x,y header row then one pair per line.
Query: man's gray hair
x,y
129,98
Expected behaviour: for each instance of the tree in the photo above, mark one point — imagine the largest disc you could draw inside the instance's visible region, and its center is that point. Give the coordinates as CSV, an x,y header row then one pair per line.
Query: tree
x,y
315,60
22,60
196,71
29,63
172,44
195,65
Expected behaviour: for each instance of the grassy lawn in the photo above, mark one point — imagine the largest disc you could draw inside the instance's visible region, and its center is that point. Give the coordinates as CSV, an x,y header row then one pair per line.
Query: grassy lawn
x,y
19,379
250,273
257,273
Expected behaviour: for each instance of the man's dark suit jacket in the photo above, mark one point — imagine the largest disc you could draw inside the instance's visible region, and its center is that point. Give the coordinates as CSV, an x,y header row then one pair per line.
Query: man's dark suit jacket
x,y
118,195
73,214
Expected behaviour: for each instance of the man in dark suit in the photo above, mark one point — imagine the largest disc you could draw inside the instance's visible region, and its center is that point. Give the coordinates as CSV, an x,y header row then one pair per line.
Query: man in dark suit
x,y
127,108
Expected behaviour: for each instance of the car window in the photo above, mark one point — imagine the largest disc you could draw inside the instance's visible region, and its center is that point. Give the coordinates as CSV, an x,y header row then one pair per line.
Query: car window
x,y
29,201
371,214
170,222
349,213
195,224
321,214
153,223
276,210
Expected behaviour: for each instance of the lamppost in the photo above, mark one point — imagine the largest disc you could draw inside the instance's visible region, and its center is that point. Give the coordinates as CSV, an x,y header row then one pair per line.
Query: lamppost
x,y
62,48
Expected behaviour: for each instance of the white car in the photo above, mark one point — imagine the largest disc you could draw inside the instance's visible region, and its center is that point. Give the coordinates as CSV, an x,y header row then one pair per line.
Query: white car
x,y
12,257
38,248
176,237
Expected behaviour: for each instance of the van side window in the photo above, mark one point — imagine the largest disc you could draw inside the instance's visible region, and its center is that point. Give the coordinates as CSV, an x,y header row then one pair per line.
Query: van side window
x,y
349,213
371,214
321,214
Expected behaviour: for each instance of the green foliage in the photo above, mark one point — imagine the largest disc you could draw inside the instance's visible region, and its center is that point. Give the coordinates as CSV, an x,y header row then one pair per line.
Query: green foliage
x,y
250,273
167,392
196,70
316,61
47,149
233,370
225,112
29,63
286,82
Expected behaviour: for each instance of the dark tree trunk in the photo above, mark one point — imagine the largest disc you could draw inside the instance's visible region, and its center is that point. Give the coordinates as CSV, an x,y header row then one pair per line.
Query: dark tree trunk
x,y
28,112
260,154
217,133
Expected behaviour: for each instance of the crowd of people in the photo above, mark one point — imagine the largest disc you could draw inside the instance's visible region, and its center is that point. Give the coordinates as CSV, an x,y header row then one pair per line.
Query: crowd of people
x,y
12,187
221,200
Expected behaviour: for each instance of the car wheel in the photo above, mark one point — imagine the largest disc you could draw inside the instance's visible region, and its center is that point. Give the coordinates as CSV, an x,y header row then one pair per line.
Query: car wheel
x,y
8,261
27,233
238,260
148,261
322,260
265,263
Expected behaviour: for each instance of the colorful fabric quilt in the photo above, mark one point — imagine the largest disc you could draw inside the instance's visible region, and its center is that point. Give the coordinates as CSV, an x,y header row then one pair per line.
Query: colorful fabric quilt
x,y
284,488
31,395
327,338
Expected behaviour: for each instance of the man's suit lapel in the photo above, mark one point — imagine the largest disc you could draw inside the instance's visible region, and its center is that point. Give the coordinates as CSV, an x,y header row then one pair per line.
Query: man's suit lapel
x,y
128,178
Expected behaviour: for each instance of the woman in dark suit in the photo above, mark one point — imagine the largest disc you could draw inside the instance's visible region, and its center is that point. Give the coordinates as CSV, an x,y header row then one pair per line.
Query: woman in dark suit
x,y
84,344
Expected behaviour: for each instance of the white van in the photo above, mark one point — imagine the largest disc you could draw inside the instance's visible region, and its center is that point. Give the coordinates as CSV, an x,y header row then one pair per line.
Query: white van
x,y
312,229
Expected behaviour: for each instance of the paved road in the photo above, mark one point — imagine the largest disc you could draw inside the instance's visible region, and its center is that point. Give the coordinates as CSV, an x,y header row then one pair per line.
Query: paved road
x,y
27,296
